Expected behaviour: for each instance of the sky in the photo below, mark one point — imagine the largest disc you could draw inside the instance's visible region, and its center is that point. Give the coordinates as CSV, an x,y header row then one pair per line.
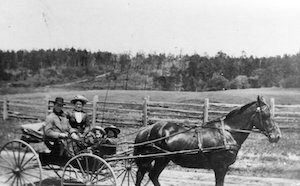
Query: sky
x,y
261,28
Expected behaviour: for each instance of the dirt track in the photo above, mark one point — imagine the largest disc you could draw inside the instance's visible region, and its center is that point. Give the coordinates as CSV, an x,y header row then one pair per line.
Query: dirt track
x,y
179,178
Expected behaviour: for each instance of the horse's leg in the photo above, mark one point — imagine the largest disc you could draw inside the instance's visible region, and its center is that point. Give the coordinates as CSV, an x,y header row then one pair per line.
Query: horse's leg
x,y
158,167
139,176
143,167
220,173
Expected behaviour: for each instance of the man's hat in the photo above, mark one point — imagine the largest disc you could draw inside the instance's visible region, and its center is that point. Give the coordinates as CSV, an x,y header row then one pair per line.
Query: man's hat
x,y
115,130
81,98
59,100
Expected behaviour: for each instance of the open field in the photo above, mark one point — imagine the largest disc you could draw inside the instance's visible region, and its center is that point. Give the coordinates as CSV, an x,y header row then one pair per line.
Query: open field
x,y
241,96
257,156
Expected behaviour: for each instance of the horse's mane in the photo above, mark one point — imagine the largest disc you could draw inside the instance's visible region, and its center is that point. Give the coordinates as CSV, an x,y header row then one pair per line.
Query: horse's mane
x,y
234,112
239,110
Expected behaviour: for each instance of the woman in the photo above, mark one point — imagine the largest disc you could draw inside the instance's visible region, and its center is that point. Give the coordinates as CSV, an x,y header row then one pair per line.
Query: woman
x,y
78,119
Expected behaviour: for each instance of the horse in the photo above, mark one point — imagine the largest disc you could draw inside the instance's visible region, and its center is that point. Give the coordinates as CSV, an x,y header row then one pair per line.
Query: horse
x,y
214,145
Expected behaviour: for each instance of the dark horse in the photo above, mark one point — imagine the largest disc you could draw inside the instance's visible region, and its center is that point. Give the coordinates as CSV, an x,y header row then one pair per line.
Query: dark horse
x,y
214,145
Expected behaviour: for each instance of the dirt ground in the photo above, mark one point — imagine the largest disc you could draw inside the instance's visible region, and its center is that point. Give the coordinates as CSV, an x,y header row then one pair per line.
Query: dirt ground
x,y
179,178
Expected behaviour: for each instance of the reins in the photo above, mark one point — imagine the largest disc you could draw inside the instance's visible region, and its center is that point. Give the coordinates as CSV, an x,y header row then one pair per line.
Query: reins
x,y
196,127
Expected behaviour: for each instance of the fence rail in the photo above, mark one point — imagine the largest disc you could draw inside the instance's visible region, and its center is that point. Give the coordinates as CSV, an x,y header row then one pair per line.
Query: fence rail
x,y
144,112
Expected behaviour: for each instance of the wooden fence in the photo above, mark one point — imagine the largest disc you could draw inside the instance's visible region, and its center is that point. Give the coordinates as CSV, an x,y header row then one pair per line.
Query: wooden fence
x,y
144,112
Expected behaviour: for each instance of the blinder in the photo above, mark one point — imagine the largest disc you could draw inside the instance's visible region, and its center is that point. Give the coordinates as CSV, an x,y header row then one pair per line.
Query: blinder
x,y
266,130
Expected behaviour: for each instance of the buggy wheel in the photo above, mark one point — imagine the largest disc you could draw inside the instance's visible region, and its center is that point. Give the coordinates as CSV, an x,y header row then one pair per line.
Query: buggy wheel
x,y
125,171
88,169
20,164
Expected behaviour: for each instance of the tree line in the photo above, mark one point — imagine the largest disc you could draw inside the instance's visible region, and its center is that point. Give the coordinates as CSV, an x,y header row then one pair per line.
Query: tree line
x,y
147,71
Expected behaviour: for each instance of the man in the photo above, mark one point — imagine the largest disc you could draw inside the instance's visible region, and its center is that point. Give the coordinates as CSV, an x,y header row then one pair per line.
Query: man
x,y
57,130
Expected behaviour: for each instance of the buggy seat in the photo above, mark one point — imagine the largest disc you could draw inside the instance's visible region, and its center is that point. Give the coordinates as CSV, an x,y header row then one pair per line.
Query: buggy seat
x,y
33,132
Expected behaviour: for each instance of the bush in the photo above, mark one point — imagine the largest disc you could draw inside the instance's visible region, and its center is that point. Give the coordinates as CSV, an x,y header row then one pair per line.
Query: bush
x,y
240,82
218,82
164,82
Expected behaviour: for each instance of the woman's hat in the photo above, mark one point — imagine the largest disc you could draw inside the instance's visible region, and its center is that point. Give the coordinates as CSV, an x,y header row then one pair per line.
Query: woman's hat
x,y
98,128
59,101
81,98
115,130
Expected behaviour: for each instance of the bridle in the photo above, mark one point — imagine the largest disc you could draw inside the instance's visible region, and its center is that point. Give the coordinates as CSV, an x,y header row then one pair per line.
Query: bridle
x,y
258,113
264,129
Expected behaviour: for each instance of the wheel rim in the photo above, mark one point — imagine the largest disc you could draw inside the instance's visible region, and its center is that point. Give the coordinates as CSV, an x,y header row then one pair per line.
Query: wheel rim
x,y
20,164
125,171
88,169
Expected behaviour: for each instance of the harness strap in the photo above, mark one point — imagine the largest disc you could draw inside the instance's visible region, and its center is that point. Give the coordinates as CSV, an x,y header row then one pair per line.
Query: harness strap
x,y
158,148
223,131
199,137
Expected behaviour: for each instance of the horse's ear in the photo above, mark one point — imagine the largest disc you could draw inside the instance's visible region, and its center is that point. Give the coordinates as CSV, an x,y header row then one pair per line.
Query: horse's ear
x,y
260,99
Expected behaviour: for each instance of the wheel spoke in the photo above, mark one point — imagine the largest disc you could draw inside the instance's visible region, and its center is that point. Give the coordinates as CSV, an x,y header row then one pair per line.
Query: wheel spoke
x,y
31,158
9,162
87,168
71,177
124,178
29,174
124,170
104,178
80,166
9,178
128,178
31,167
26,151
94,165
18,179
26,180
99,170
15,158
6,173
76,172
21,181
19,149
12,183
132,177
6,167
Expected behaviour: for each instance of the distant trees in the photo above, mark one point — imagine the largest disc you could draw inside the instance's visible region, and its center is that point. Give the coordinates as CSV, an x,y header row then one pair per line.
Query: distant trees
x,y
239,82
149,71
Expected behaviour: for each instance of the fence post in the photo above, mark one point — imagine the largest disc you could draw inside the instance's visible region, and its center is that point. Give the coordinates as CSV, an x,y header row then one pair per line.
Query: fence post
x,y
272,105
47,99
5,108
205,110
145,110
94,114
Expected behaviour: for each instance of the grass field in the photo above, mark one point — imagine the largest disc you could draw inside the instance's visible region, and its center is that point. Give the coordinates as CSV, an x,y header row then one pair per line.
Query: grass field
x,y
241,96
257,157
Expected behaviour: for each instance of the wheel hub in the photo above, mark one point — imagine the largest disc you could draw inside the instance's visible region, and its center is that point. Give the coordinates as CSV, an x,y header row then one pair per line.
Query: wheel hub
x,y
17,171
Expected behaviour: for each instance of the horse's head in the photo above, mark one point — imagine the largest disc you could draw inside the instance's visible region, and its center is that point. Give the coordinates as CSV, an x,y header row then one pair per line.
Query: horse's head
x,y
263,121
